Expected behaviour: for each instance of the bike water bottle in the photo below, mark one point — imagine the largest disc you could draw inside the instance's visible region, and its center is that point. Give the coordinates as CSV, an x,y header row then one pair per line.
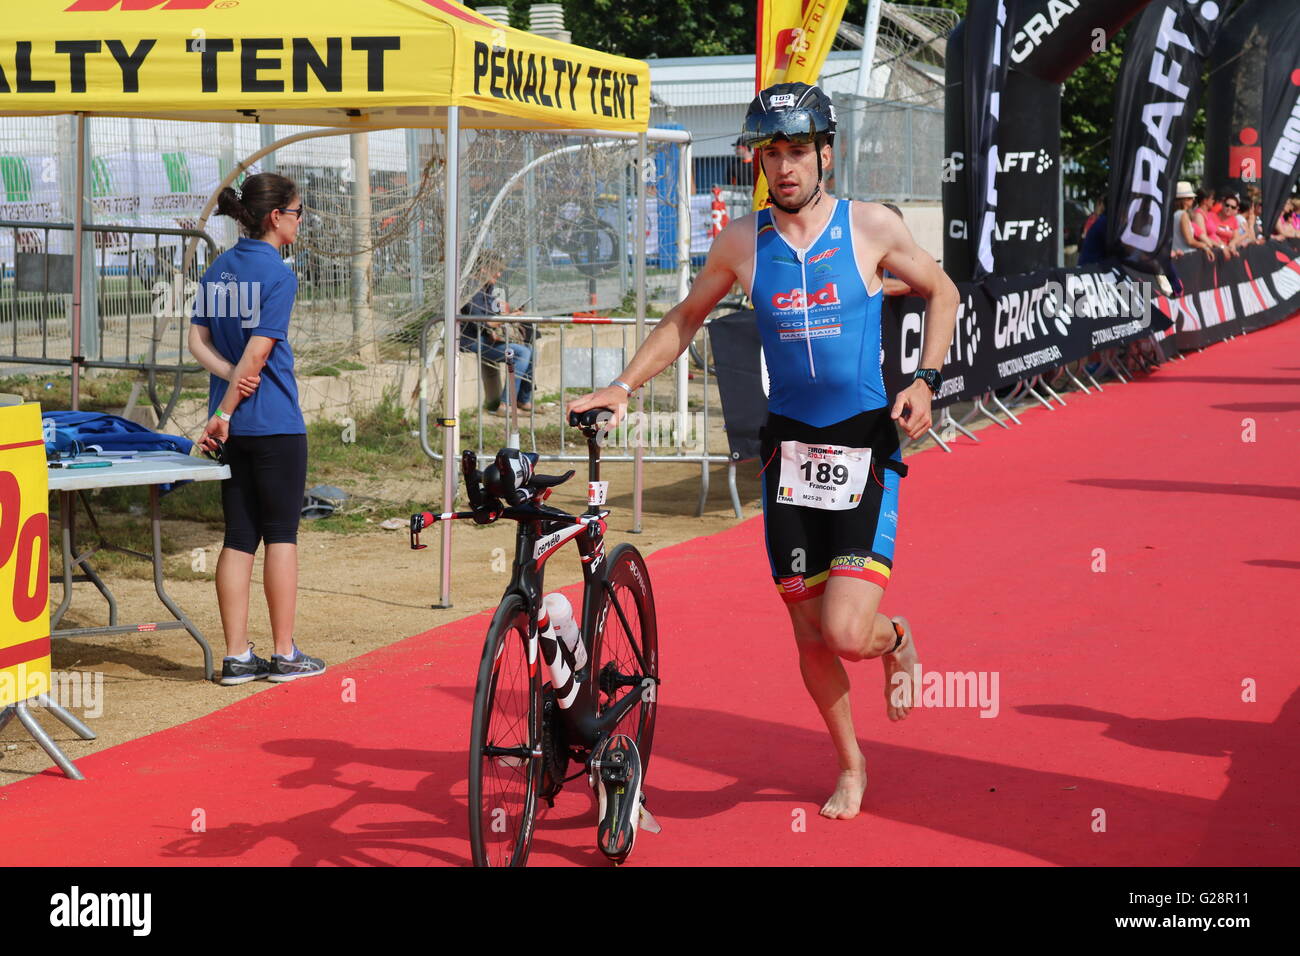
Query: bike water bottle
x,y
562,619
557,662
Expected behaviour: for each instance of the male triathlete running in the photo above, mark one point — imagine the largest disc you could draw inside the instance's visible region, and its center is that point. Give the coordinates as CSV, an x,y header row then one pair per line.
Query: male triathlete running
x,y
830,449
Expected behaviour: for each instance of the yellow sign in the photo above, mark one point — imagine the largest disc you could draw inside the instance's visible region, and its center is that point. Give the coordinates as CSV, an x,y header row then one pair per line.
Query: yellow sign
x,y
794,37
24,556
398,62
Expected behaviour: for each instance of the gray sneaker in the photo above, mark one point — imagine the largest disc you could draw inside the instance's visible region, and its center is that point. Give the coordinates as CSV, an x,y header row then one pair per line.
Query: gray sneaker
x,y
234,671
286,669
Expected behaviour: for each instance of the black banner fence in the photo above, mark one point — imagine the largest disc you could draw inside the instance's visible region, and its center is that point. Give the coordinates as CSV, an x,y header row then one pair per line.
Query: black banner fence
x,y
1014,328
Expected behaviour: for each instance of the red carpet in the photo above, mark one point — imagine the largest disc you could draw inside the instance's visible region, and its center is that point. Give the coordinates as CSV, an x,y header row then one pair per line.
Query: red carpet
x,y
1120,692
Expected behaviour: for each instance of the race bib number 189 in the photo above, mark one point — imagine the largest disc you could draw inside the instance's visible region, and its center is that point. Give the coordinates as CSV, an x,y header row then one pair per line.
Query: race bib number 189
x,y
830,477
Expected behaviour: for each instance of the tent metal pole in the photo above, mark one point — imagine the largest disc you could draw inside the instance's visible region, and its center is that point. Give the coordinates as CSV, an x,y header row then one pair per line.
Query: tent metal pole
x,y
639,279
683,289
78,233
414,171
451,272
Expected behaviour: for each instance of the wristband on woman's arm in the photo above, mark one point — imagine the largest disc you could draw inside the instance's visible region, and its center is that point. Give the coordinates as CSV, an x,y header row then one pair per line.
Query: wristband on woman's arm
x,y
223,414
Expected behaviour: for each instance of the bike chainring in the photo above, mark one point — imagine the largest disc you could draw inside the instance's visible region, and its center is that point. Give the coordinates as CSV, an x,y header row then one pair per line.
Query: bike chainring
x,y
555,751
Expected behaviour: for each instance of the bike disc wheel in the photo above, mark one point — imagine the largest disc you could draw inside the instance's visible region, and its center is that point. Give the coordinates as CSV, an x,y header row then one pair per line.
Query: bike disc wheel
x,y
615,662
505,764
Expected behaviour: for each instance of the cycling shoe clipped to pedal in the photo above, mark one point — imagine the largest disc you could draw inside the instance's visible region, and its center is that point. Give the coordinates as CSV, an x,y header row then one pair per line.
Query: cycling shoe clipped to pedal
x,y
616,777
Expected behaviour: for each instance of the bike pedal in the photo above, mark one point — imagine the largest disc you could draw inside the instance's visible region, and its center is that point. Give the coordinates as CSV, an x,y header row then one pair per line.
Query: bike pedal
x,y
616,773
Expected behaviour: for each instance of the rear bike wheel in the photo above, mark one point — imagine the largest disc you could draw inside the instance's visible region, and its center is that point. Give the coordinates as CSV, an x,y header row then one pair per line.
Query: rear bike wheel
x,y
505,764
627,626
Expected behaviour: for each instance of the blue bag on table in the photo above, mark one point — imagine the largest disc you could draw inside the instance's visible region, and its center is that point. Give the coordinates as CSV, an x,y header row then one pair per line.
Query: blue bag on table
x,y
71,433
74,431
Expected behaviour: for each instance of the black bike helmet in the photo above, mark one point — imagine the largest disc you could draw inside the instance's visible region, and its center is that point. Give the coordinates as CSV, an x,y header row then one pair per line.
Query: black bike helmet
x,y
795,111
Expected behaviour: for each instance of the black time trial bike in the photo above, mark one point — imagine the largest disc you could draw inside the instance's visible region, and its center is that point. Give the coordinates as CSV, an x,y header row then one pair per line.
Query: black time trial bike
x,y
523,742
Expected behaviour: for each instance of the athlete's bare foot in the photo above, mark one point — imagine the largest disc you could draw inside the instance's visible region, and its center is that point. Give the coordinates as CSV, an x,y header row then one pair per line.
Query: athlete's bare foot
x,y
846,801
900,692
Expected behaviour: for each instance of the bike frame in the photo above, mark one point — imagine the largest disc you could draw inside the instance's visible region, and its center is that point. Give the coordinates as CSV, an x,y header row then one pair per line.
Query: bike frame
x,y
536,542
542,532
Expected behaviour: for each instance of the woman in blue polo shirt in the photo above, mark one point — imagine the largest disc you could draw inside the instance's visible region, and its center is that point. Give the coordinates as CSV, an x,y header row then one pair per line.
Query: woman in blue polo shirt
x,y
239,329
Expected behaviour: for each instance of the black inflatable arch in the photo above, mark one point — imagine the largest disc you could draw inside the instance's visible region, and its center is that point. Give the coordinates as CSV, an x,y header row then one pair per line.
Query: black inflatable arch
x,y
1049,40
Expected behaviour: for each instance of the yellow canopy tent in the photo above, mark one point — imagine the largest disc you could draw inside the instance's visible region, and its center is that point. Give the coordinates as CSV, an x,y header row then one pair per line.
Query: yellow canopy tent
x,y
369,63
360,65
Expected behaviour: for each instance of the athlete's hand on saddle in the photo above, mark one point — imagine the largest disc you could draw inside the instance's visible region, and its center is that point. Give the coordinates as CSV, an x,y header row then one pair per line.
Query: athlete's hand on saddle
x,y
611,397
912,409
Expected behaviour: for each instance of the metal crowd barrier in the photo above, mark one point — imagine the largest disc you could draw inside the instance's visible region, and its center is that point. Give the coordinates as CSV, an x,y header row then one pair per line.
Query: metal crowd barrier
x,y
676,416
35,308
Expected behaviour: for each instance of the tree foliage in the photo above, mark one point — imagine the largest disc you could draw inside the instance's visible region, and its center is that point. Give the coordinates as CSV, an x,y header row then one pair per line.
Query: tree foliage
x,y
648,29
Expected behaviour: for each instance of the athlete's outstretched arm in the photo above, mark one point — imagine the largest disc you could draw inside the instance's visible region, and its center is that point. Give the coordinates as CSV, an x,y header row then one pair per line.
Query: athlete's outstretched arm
x,y
903,257
674,332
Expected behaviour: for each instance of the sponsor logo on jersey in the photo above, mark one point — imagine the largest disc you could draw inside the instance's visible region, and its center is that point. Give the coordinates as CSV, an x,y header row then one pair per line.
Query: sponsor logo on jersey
x,y
823,268
786,260
836,232
824,255
849,560
794,331
793,585
794,299
765,227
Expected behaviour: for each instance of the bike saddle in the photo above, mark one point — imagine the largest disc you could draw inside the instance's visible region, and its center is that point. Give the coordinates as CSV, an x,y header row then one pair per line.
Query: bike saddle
x,y
616,775
592,422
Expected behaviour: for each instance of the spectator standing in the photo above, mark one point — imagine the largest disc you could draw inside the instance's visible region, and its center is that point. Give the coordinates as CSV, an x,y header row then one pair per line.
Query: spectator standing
x,y
262,437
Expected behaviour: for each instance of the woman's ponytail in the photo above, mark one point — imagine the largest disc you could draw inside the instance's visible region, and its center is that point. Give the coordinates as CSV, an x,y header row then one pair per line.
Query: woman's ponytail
x,y
262,194
229,204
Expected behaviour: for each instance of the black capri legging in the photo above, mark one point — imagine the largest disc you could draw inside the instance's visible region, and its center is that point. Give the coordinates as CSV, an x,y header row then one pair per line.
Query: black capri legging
x,y
262,499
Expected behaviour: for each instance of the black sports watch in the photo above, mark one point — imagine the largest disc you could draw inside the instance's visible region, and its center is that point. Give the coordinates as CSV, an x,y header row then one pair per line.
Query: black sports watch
x,y
931,377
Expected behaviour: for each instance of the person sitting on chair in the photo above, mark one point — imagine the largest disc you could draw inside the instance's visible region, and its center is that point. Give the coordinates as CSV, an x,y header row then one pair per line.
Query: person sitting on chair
x,y
482,337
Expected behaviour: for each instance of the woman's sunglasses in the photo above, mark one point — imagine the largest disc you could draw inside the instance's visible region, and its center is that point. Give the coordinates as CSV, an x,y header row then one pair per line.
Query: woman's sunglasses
x,y
297,212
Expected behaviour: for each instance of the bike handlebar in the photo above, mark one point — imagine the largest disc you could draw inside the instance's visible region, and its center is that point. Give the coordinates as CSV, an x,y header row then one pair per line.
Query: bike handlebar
x,y
511,476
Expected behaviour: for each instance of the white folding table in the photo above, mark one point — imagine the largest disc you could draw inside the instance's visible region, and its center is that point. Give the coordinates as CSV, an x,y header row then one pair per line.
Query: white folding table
x,y
151,469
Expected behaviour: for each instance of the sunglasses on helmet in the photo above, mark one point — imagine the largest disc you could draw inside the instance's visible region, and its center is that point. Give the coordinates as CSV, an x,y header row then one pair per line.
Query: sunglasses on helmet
x,y
763,129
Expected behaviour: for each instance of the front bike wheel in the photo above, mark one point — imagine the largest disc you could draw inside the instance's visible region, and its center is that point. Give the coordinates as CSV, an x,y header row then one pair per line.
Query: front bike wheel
x,y
505,763
625,649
